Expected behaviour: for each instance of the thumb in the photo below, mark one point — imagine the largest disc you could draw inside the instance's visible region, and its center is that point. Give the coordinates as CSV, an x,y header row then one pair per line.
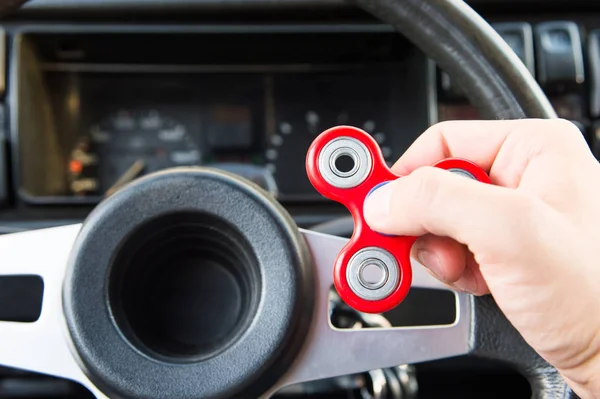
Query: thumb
x,y
486,218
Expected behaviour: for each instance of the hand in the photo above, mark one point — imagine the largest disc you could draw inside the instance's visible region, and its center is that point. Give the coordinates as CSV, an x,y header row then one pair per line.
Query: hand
x,y
532,239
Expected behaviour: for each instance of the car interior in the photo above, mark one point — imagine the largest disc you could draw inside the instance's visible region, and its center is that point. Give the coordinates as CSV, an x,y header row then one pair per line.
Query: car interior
x,y
108,108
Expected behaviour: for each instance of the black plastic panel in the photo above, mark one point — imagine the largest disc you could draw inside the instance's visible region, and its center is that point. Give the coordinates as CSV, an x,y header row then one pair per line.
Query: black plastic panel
x,y
594,62
3,161
160,4
82,5
559,54
21,298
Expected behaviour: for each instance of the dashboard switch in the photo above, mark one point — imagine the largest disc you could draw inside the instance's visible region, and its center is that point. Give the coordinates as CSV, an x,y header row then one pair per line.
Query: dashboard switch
x,y
559,55
594,60
3,68
3,159
595,139
519,37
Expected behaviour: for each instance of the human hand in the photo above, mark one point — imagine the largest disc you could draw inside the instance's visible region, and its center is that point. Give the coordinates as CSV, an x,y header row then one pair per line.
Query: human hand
x,y
530,239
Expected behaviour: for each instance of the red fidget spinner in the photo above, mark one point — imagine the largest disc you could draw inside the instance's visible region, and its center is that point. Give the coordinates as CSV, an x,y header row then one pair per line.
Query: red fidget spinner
x,y
372,273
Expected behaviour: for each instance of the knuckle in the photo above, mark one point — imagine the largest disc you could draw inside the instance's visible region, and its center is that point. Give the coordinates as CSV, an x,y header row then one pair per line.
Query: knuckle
x,y
567,126
565,130
549,134
439,128
561,131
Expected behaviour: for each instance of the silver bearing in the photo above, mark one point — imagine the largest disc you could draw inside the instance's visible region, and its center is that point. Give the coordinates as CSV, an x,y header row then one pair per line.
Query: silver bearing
x,y
372,273
341,152
462,172
345,147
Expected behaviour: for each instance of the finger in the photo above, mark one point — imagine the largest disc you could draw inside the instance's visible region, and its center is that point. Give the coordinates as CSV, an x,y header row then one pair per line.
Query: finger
x,y
450,262
438,202
472,280
503,148
478,141
443,256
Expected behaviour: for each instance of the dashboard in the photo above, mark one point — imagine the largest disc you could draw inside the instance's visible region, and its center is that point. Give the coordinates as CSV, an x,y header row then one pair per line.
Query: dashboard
x,y
107,116
95,94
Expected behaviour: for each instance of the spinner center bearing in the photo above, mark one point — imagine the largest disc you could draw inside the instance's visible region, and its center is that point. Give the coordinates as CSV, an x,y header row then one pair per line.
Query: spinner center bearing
x,y
188,283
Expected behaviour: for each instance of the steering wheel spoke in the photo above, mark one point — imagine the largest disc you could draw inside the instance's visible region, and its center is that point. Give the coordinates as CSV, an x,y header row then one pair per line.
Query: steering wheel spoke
x,y
41,346
330,352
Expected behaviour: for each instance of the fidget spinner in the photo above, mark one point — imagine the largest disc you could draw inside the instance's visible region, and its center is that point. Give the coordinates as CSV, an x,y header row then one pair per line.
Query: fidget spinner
x,y
372,273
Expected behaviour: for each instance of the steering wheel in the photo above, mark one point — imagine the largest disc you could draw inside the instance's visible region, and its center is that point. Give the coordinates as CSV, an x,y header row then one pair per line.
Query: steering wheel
x,y
192,282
